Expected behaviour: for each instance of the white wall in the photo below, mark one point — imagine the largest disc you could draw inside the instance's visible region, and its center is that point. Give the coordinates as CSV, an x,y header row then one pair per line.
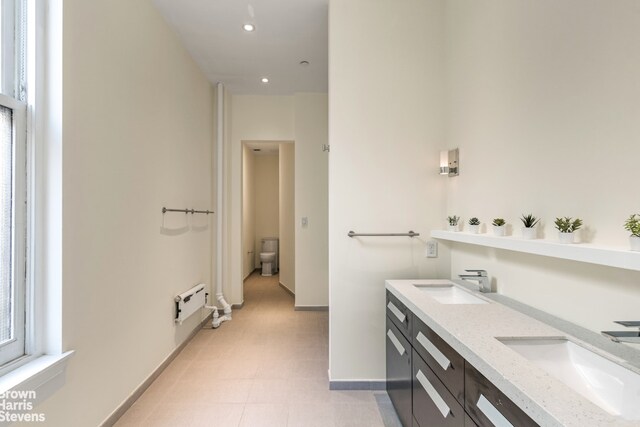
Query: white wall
x,y
267,206
251,118
385,130
301,118
287,216
137,133
312,200
543,104
248,213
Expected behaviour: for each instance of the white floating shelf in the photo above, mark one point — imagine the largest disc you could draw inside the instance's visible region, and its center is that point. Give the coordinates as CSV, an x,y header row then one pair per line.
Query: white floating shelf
x,y
583,252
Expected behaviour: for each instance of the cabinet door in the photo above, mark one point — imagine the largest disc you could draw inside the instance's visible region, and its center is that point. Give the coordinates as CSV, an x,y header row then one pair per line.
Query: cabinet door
x,y
433,405
488,406
399,372
443,360
399,314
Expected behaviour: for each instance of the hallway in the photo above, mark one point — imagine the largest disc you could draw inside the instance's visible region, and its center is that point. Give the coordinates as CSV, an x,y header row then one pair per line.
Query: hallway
x,y
266,367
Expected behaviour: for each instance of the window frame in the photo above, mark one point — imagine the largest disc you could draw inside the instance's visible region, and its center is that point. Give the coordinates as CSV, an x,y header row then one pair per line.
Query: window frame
x,y
15,63
12,351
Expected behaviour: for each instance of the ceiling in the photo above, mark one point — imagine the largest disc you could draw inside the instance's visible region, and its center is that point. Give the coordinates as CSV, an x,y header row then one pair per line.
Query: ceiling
x,y
287,32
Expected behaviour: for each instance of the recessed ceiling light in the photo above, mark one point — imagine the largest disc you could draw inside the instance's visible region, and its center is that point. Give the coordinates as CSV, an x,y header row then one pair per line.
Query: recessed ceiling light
x,y
264,80
249,28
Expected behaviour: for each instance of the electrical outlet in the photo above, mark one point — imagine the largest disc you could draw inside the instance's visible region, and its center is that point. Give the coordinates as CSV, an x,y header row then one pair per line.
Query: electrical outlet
x,y
432,249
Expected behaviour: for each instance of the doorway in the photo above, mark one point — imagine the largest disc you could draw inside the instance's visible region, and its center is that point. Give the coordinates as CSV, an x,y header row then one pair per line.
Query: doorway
x,y
268,173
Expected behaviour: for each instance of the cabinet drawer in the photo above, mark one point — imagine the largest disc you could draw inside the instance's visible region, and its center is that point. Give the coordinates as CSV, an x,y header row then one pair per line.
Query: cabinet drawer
x,y
399,315
443,360
399,372
488,406
433,405
468,422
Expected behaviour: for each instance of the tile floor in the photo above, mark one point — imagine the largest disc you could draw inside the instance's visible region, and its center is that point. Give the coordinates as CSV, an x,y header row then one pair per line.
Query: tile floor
x,y
266,367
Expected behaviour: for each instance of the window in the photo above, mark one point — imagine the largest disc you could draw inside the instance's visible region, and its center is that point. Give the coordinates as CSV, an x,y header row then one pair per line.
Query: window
x,y
13,182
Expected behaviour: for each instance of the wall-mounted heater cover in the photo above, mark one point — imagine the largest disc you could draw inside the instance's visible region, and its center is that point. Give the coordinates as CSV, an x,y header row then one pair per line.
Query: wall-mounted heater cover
x,y
189,302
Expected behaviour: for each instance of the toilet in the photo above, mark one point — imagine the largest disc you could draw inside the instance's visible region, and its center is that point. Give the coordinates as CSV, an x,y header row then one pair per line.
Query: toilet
x,y
269,256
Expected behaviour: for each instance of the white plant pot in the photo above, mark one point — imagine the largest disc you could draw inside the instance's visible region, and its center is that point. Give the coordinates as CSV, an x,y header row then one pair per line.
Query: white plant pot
x,y
566,237
474,229
529,233
453,228
500,230
634,241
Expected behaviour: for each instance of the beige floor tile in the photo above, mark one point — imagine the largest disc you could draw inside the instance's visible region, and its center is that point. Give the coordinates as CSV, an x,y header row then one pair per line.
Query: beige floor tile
x,y
222,414
311,415
269,391
307,384
353,396
264,415
309,396
357,415
135,416
310,369
274,368
266,367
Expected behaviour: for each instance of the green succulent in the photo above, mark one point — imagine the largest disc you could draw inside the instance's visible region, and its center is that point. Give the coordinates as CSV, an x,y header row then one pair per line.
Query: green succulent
x,y
568,224
453,220
498,222
474,221
529,221
632,225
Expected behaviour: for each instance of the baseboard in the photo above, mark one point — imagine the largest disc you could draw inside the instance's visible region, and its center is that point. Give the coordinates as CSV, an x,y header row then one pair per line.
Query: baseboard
x,y
358,385
120,411
311,308
237,306
289,291
250,273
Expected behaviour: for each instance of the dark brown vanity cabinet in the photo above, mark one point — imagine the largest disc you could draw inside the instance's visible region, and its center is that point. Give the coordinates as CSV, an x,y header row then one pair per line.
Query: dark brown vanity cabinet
x,y
399,372
444,361
431,385
399,314
433,404
488,406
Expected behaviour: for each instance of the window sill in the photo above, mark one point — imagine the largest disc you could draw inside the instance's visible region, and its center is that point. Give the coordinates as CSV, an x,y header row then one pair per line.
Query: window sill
x,y
44,375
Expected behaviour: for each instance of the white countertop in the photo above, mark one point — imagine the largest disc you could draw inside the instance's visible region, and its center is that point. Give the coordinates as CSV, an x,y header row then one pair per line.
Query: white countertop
x,y
471,329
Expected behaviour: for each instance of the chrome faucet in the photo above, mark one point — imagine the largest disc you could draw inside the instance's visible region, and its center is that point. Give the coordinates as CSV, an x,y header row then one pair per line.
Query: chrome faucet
x,y
625,336
479,276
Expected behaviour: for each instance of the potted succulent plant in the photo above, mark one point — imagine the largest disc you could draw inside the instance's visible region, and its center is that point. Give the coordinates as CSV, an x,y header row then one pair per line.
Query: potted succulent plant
x,y
632,225
529,222
566,227
474,225
453,222
499,227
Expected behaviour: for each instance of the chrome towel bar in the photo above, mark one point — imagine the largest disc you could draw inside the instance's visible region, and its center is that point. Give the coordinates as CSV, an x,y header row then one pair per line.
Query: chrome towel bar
x,y
409,234
187,211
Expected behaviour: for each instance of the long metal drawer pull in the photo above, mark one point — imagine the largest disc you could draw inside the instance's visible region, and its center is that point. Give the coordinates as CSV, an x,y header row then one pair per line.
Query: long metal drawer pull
x,y
433,351
490,411
396,311
395,342
433,394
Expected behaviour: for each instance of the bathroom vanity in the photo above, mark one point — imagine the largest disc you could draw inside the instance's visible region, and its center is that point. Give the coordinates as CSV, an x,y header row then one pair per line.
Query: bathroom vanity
x,y
458,358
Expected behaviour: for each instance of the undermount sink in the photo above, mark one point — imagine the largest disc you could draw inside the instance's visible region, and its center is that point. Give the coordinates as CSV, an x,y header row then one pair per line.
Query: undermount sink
x,y
448,293
609,385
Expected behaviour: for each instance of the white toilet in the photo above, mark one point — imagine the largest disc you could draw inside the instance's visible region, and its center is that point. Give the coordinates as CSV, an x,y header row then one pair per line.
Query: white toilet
x,y
269,256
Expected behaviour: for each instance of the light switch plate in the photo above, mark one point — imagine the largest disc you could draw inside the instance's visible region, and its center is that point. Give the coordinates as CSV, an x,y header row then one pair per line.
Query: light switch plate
x,y
432,249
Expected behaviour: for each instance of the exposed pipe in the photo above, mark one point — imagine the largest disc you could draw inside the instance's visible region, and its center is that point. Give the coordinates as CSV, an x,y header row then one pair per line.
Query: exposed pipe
x,y
225,307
